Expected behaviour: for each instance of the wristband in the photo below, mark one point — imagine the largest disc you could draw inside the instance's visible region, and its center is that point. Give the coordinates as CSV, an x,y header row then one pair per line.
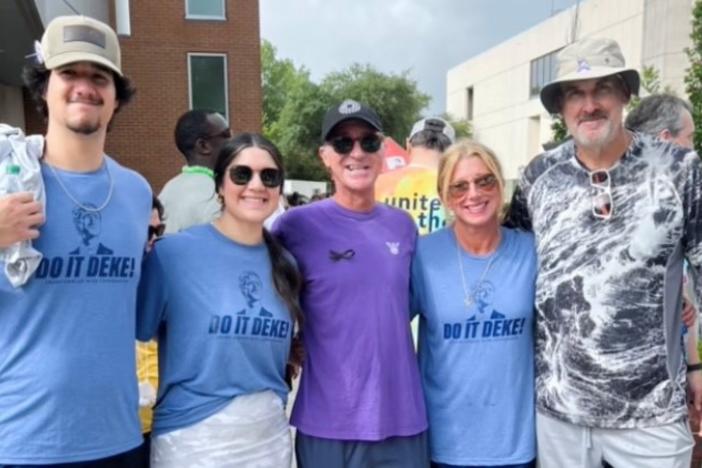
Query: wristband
x,y
694,367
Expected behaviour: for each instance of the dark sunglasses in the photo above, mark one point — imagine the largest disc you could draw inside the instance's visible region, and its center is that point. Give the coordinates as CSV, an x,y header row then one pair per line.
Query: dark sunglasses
x,y
242,175
602,202
156,231
369,143
481,184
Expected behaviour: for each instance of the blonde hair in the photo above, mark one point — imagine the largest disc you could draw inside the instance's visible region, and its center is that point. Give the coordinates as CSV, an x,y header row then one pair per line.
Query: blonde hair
x,y
463,149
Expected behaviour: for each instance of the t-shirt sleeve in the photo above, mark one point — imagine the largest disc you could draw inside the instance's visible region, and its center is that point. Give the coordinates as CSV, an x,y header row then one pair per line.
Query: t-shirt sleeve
x,y
151,298
692,240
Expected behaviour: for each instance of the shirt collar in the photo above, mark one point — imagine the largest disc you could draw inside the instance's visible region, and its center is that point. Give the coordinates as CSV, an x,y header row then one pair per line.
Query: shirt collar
x,y
198,170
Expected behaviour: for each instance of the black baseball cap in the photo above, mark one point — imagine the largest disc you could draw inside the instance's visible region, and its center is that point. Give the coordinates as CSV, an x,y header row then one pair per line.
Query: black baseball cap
x,y
347,110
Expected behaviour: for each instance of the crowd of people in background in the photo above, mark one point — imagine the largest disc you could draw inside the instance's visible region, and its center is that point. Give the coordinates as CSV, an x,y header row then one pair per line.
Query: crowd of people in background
x,y
549,331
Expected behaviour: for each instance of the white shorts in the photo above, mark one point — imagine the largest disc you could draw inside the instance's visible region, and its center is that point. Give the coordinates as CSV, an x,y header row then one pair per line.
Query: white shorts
x,y
251,431
562,444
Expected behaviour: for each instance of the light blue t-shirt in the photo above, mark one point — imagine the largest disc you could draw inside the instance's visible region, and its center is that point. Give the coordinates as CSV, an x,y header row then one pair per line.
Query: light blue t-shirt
x,y
68,389
477,360
221,326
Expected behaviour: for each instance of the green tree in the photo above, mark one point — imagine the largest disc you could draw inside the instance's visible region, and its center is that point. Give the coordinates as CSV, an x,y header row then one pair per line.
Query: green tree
x,y
297,131
278,78
693,78
559,129
462,127
650,84
292,110
294,106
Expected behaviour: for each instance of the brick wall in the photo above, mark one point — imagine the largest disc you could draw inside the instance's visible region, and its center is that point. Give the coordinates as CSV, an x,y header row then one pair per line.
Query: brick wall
x,y
154,57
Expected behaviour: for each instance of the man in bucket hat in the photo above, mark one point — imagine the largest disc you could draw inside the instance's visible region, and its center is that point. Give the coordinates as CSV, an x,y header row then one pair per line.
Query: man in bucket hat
x,y
614,214
67,366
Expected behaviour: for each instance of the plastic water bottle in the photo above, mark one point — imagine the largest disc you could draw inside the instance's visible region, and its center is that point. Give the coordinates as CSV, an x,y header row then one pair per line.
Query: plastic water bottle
x,y
14,184
18,251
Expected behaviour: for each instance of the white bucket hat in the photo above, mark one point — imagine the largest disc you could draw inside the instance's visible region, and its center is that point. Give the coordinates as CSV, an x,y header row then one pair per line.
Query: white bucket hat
x,y
585,60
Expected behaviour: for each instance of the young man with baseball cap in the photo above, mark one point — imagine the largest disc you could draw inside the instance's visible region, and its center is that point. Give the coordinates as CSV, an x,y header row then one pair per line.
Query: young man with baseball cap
x,y
614,214
68,386
360,404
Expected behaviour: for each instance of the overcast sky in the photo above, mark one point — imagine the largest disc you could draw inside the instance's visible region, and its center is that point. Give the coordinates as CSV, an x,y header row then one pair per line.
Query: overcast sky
x,y
427,37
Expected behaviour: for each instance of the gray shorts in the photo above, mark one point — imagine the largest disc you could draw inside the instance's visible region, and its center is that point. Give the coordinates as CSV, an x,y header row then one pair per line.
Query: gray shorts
x,y
562,444
395,452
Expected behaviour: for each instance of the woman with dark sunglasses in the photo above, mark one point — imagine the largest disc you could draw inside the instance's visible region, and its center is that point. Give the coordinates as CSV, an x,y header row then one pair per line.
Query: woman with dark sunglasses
x,y
222,299
473,288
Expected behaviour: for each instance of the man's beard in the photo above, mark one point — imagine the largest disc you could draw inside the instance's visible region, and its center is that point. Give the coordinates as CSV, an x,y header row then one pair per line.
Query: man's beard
x,y
599,141
84,128
87,124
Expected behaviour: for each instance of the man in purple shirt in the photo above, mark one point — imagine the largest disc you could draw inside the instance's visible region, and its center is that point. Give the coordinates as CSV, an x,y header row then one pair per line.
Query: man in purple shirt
x,y
360,402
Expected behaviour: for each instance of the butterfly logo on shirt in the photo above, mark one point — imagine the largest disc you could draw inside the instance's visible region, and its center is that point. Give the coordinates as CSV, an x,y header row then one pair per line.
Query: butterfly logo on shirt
x,y
393,247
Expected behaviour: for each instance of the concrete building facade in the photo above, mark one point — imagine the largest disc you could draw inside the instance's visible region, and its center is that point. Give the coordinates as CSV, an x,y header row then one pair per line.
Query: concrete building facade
x,y
498,90
179,54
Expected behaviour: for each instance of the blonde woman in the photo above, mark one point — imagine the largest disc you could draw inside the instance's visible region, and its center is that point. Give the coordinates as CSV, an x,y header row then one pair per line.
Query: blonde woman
x,y
473,287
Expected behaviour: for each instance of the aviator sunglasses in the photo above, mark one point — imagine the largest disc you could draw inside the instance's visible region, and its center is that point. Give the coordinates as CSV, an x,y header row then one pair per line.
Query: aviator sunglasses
x,y
482,184
369,143
242,175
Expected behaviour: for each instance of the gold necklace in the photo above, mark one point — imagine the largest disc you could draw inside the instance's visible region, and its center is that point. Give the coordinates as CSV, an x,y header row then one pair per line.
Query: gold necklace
x,y
470,298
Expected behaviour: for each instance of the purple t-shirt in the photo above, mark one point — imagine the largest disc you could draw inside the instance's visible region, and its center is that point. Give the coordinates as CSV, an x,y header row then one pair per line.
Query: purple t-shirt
x,y
360,379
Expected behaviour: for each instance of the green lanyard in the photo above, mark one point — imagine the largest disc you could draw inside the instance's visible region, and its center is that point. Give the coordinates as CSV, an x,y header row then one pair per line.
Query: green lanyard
x,y
198,170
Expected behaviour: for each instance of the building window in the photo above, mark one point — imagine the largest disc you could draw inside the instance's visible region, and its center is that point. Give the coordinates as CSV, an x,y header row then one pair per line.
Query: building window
x,y
469,103
543,71
207,78
205,10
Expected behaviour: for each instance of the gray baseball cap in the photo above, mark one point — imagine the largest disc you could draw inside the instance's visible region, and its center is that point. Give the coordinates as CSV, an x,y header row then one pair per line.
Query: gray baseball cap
x,y
435,124
584,60
69,39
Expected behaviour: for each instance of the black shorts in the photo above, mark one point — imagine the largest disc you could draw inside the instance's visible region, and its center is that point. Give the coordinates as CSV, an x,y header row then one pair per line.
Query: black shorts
x,y
394,452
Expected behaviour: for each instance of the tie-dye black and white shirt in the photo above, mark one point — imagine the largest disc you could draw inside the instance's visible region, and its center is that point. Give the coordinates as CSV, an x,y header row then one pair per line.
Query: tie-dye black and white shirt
x,y
608,293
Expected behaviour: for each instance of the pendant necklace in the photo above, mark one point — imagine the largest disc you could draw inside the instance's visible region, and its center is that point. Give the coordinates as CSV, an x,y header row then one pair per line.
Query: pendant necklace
x,y
470,298
75,201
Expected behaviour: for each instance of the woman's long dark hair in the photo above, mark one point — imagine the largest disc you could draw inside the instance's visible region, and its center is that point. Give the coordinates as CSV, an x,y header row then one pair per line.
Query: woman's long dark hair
x,y
286,277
